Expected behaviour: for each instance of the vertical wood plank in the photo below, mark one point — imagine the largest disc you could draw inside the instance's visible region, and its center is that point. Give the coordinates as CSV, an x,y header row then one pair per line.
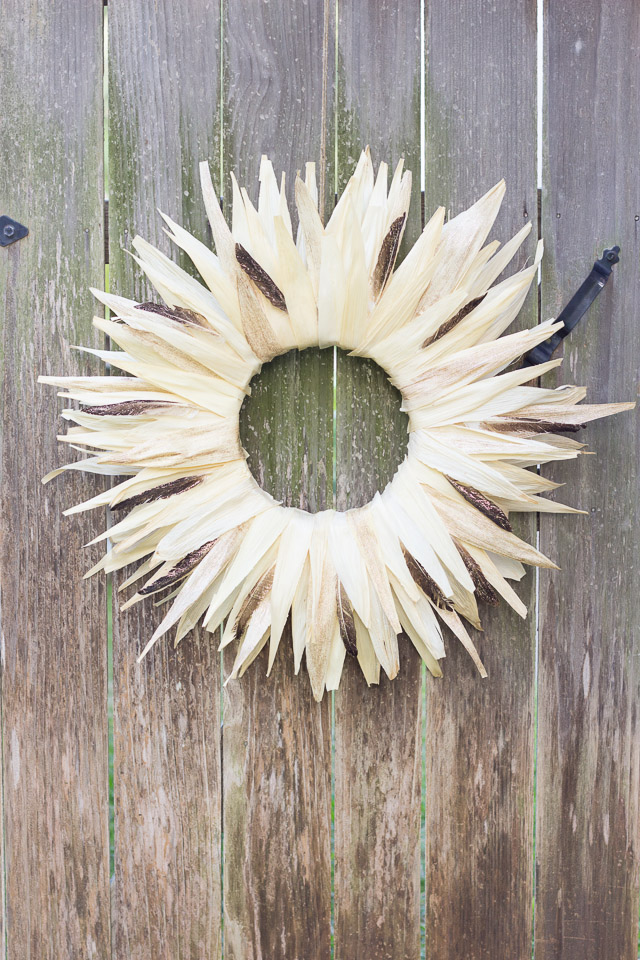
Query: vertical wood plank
x,y
378,733
54,628
164,118
276,740
481,126
588,831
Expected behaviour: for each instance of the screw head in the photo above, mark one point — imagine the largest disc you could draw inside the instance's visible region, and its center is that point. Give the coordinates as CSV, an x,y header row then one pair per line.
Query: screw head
x,y
9,230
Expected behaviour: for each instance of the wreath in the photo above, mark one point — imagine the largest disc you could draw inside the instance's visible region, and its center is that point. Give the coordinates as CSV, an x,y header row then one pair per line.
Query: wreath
x,y
428,549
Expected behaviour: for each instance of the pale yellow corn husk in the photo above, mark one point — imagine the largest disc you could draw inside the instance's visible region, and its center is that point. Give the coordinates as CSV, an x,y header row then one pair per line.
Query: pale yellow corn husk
x,y
431,548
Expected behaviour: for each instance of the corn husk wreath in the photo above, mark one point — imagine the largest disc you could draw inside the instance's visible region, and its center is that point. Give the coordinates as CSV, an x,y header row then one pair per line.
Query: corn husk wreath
x,y
421,554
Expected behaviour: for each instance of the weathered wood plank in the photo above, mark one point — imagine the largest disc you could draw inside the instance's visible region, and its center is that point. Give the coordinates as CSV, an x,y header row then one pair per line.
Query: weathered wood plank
x,y
588,829
480,126
54,629
378,734
276,740
164,71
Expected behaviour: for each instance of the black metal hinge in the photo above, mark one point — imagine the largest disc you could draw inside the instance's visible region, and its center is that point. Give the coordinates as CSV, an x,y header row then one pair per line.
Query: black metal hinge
x,y
576,308
10,231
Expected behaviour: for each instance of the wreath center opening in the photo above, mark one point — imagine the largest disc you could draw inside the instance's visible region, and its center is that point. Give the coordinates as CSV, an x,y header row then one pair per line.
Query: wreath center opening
x,y
323,429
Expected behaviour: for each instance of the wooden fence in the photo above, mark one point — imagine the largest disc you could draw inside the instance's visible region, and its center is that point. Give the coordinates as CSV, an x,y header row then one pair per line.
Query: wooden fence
x,y
486,814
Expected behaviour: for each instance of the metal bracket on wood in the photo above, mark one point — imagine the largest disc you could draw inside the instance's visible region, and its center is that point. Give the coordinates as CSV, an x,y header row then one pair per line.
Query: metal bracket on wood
x,y
576,308
10,231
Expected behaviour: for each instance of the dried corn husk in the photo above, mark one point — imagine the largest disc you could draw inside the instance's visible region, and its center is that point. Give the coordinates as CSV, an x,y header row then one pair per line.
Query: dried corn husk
x,y
209,543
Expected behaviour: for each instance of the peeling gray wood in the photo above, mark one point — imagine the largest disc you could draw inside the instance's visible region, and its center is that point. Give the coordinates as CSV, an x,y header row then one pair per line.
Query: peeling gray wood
x,y
480,126
164,118
54,627
378,731
277,746
166,899
588,830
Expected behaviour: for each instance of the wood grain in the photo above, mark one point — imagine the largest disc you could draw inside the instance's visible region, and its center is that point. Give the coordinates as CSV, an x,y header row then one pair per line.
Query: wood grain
x,y
276,739
480,126
265,782
378,735
164,71
54,627
588,829
286,427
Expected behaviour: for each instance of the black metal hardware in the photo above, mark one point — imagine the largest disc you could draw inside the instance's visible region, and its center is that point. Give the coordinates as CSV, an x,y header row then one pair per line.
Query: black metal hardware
x,y
576,308
10,231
